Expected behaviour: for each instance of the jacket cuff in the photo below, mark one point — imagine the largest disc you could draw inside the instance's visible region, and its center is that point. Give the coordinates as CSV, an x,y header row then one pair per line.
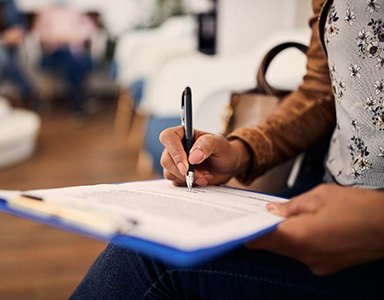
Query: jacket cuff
x,y
260,149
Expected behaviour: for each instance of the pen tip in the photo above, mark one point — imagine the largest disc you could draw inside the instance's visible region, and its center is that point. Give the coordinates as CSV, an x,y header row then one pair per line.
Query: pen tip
x,y
189,178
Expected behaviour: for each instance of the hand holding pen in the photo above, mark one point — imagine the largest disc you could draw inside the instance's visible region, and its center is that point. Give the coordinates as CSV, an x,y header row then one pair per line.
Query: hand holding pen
x,y
194,157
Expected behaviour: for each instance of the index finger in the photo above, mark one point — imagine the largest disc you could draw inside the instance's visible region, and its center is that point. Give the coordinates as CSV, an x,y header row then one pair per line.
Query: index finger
x,y
172,138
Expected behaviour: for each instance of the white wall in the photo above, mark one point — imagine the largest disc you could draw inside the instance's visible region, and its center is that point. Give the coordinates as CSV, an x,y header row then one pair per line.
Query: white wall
x,y
36,5
242,23
118,15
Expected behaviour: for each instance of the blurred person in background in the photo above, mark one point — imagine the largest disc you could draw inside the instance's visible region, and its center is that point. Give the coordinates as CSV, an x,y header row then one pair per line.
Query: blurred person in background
x,y
12,31
65,34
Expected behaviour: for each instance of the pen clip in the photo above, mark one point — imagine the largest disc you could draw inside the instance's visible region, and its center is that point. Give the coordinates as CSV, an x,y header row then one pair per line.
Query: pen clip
x,y
182,117
186,110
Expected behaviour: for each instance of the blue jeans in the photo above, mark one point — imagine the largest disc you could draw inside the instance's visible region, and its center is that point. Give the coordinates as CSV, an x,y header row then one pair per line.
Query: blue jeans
x,y
242,274
12,71
73,70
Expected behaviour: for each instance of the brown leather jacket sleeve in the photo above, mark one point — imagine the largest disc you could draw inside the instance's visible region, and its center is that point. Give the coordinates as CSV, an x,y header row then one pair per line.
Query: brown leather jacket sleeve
x,y
303,117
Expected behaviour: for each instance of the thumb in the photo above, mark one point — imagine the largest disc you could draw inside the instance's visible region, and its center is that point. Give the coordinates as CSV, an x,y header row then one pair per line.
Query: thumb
x,y
303,204
204,147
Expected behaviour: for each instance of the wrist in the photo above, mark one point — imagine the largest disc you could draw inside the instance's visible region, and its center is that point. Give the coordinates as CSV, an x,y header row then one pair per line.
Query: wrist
x,y
243,154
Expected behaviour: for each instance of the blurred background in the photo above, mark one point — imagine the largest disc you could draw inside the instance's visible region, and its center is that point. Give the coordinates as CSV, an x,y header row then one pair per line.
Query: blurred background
x,y
86,86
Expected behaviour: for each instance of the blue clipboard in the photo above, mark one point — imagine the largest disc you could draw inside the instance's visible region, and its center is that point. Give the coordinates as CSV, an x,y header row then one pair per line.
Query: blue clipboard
x,y
165,253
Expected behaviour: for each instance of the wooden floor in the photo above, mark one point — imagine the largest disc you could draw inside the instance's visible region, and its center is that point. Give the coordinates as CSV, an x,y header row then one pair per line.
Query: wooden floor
x,y
38,262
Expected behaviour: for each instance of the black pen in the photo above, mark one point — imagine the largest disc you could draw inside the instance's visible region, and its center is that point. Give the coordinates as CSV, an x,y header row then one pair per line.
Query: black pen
x,y
186,121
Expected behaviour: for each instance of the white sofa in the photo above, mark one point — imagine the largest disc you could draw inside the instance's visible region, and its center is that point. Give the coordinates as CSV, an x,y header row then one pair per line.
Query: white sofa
x,y
141,53
139,56
18,133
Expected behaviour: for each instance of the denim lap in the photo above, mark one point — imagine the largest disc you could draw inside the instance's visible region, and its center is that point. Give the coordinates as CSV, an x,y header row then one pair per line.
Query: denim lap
x,y
242,274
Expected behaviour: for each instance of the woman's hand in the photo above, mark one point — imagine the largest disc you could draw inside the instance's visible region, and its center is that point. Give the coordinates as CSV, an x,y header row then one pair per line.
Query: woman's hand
x,y
329,228
215,158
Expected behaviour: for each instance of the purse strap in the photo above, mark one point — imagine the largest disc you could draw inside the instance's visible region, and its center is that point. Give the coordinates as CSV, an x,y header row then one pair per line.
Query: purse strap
x,y
262,84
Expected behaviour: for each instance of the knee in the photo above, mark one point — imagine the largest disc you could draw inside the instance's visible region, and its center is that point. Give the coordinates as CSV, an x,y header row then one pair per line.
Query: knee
x,y
118,273
114,257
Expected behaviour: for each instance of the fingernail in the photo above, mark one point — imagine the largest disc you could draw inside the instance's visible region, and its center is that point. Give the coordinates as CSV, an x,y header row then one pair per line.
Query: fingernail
x,y
274,208
196,156
182,168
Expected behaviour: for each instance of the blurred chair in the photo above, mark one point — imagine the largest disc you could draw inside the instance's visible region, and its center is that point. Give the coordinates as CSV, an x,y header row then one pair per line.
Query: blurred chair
x,y
18,133
141,54
212,78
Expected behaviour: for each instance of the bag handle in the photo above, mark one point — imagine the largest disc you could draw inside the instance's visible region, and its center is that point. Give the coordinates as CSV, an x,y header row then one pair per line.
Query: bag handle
x,y
262,84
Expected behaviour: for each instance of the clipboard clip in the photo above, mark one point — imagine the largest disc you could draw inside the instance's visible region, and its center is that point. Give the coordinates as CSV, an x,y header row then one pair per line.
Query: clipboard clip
x,y
96,222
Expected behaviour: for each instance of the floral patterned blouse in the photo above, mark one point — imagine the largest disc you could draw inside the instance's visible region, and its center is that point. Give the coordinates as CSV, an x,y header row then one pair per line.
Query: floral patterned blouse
x,y
354,39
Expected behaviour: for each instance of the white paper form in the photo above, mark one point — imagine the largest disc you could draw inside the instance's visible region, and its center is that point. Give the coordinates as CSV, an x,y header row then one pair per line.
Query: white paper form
x,y
172,215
